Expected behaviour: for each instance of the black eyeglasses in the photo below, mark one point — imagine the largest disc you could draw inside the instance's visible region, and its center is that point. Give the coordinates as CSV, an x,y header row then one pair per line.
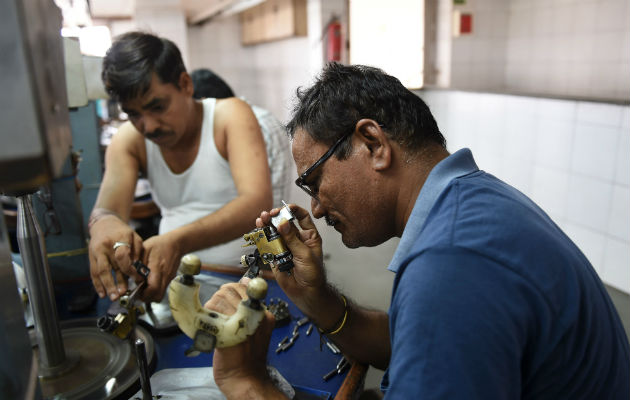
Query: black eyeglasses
x,y
301,180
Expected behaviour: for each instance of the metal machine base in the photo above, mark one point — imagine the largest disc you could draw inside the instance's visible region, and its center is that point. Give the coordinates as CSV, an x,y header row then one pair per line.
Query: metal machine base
x,y
106,366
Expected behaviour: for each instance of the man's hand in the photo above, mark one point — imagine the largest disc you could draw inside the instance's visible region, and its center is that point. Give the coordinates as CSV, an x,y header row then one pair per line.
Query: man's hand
x,y
308,278
162,256
365,333
240,371
104,259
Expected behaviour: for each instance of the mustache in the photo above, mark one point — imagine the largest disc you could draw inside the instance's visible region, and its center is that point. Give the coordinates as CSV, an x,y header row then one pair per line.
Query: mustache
x,y
156,133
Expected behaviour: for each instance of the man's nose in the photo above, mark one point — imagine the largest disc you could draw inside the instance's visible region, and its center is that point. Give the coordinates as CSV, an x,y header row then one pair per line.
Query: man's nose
x,y
316,208
149,125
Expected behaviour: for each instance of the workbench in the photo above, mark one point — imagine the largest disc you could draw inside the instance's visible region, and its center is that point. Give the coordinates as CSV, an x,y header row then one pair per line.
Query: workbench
x,y
303,364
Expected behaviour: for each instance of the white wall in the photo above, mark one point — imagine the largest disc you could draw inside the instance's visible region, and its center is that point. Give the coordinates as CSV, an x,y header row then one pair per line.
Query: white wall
x,y
269,73
570,157
444,43
578,48
478,60
265,74
573,48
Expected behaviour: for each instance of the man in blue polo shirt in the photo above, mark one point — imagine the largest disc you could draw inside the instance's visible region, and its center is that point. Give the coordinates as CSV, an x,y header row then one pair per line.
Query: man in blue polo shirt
x,y
491,299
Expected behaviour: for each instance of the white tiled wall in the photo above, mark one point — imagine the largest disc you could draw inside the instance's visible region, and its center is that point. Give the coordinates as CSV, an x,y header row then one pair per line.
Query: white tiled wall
x,y
577,48
444,42
269,73
478,59
570,157
266,74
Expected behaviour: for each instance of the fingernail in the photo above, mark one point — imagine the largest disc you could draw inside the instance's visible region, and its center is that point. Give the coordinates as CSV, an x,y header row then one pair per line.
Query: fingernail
x,y
112,296
121,290
101,294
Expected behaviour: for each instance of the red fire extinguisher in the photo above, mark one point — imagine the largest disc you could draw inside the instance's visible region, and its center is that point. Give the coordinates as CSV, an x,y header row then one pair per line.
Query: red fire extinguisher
x,y
333,41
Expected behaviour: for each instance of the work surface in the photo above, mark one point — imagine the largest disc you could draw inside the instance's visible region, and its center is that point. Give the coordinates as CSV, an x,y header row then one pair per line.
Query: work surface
x,y
303,364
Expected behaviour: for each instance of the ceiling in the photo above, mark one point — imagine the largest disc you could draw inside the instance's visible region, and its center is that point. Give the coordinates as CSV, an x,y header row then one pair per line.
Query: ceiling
x,y
196,11
199,10
104,9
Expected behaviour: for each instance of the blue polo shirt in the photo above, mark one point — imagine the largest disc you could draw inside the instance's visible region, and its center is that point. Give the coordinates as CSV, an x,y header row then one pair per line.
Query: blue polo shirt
x,y
492,300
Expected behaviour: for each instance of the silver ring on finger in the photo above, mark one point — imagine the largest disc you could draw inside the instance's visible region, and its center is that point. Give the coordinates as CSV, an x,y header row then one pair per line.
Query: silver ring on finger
x,y
120,244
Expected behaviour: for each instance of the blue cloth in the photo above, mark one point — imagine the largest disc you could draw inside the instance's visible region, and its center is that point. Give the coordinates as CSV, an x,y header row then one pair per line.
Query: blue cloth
x,y
492,300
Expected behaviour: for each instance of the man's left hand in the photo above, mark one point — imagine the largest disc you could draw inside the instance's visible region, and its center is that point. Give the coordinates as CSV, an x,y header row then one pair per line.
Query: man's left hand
x,y
162,256
240,371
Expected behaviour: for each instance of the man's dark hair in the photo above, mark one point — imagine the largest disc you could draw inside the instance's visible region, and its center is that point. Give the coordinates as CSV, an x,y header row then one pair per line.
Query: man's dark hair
x,y
129,64
209,84
342,95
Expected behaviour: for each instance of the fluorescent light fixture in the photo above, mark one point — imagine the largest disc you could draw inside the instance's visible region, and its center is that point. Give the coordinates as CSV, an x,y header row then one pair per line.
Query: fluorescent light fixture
x,y
94,40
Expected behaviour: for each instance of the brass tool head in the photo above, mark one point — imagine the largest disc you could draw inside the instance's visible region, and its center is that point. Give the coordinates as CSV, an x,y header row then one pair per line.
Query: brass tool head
x,y
190,265
257,289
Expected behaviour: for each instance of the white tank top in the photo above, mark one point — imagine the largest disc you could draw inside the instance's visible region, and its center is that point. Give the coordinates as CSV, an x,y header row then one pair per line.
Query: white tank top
x,y
203,188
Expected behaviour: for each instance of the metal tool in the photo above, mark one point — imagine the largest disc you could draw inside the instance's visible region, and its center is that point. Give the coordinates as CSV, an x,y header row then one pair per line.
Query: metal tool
x,y
270,248
339,368
285,214
143,270
143,365
280,310
129,299
287,342
121,317
332,347
210,329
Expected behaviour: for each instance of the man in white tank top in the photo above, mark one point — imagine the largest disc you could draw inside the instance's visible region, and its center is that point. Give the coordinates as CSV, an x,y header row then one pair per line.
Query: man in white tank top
x,y
210,85
206,162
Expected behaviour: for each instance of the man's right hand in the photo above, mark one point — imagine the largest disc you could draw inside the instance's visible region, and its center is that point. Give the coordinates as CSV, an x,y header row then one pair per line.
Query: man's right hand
x,y
306,286
105,232
360,333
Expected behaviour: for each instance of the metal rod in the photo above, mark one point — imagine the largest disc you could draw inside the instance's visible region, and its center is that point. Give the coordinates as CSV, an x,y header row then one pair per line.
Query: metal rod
x,y
40,289
15,344
145,380
127,301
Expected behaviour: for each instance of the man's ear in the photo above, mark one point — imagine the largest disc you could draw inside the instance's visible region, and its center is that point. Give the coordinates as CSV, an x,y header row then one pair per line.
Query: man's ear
x,y
186,83
375,141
